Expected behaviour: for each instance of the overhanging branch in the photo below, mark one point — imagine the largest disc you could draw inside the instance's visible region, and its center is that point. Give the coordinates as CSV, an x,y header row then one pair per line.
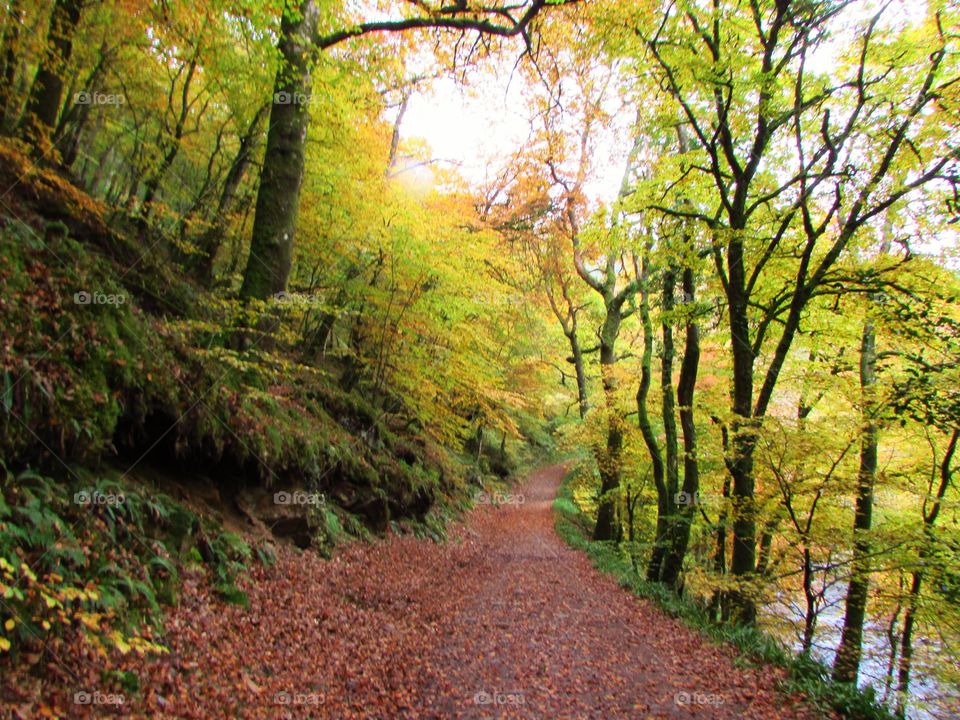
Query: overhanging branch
x,y
486,20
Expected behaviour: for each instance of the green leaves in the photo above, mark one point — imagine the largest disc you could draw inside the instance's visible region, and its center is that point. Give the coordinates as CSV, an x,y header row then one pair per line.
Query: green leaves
x,y
101,559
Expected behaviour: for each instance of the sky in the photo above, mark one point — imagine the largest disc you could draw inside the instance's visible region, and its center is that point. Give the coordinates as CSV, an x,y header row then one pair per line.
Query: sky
x,y
477,127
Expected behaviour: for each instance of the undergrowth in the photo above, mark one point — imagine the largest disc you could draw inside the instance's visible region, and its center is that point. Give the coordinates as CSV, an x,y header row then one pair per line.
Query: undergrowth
x,y
98,558
95,375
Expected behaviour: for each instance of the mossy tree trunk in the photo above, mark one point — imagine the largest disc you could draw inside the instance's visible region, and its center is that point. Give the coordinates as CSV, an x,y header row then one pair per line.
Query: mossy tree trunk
x,y
679,537
275,220
46,94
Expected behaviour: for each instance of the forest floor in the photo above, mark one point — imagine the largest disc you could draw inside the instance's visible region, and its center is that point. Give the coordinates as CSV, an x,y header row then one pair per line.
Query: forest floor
x,y
503,620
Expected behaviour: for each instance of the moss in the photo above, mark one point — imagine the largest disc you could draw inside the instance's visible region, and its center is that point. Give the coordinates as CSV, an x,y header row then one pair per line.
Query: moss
x,y
157,375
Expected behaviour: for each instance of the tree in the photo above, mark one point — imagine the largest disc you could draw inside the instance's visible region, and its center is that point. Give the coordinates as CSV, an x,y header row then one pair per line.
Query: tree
x,y
616,293
924,391
43,104
201,264
616,296
275,221
846,664
752,104
676,505
520,207
182,101
941,482
9,52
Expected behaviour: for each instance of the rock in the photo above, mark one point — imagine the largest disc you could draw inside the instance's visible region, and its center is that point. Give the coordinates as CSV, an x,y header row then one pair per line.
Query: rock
x,y
285,513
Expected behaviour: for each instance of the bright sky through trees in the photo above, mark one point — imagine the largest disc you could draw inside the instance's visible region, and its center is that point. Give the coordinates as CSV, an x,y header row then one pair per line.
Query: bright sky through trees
x,y
477,128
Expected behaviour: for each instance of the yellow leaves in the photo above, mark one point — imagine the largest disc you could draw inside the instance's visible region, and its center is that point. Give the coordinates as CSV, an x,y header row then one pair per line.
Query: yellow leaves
x,y
51,602
27,572
72,593
139,645
119,642
91,621
9,624
143,646
4,644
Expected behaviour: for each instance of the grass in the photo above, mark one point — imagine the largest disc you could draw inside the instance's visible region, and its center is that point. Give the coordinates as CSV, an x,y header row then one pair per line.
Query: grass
x,y
805,675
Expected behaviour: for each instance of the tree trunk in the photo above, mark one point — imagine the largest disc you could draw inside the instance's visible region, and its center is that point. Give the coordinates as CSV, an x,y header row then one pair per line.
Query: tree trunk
x,y
766,545
680,534
906,644
567,317
893,643
173,149
43,105
718,603
10,59
846,664
929,520
741,607
607,525
201,264
667,490
646,428
810,614
576,353
95,182
75,115
395,135
275,220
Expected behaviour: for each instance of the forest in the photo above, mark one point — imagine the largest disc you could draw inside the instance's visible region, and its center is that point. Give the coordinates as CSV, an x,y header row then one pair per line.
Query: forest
x,y
480,358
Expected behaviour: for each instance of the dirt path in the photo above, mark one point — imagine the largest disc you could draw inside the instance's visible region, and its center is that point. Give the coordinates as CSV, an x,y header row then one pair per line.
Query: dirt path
x,y
502,621
547,636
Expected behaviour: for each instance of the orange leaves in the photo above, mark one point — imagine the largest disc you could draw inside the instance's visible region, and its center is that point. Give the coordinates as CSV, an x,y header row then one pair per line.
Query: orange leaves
x,y
504,620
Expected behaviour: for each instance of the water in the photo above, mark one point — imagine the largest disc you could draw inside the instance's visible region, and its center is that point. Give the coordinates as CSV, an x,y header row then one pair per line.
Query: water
x,y
930,699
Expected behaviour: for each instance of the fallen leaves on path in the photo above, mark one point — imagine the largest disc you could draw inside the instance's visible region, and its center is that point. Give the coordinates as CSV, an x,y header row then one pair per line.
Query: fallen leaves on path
x,y
503,621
